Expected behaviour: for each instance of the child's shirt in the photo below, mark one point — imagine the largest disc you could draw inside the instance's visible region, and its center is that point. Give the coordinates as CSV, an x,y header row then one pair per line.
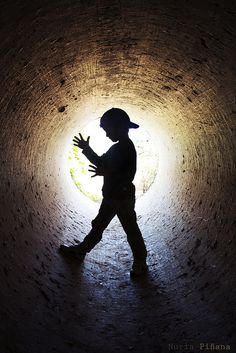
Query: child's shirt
x,y
118,165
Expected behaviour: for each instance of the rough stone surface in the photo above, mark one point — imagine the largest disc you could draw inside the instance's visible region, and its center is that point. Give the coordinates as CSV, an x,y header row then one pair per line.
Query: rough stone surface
x,y
63,62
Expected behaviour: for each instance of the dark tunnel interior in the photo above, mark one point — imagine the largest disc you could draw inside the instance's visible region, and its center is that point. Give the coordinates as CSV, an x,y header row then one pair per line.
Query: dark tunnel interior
x,y
171,65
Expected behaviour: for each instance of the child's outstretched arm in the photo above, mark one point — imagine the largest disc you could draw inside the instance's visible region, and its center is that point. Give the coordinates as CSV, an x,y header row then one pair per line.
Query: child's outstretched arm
x,y
100,167
87,150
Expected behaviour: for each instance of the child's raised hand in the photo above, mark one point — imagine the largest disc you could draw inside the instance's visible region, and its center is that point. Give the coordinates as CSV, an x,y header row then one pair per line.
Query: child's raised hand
x,y
80,142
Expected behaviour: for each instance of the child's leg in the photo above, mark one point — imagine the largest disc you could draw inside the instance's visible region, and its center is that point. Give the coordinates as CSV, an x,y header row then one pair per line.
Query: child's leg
x,y
127,216
99,224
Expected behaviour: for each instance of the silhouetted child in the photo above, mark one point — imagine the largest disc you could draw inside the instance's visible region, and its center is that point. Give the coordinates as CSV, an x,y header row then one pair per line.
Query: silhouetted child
x,y
118,167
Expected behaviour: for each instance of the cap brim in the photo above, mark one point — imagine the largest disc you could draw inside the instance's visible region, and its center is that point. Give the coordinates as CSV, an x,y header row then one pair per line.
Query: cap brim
x,y
133,125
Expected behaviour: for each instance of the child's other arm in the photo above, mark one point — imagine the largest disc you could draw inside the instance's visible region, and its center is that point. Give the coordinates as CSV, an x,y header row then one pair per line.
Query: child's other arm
x,y
109,164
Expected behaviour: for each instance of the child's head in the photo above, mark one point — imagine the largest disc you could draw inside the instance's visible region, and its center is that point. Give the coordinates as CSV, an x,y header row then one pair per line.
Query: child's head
x,y
116,123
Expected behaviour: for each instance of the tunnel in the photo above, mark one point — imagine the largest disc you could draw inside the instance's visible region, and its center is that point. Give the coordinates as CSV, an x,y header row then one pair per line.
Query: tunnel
x,y
171,66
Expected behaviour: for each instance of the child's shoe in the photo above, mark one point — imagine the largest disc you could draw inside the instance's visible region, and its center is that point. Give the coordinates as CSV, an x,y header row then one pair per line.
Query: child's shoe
x,y
138,270
73,251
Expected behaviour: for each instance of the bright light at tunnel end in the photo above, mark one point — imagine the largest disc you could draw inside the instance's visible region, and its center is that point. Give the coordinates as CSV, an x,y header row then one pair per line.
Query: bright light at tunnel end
x,y
147,158
153,153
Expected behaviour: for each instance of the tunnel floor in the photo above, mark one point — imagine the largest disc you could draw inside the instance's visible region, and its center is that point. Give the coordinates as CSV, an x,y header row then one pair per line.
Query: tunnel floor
x,y
95,306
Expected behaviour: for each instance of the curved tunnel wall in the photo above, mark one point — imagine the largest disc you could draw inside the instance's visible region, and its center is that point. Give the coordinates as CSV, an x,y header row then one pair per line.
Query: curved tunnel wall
x,y
62,64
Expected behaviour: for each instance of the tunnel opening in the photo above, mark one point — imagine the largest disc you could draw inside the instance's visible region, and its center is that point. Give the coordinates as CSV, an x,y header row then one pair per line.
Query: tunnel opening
x,y
78,165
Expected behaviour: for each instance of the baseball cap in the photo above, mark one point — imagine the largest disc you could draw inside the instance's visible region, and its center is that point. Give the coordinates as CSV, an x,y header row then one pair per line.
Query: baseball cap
x,y
117,117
